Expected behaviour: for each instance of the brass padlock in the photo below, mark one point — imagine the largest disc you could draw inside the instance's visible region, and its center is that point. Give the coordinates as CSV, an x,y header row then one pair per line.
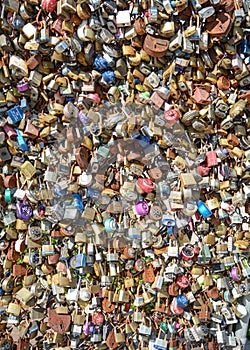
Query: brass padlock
x,y
213,203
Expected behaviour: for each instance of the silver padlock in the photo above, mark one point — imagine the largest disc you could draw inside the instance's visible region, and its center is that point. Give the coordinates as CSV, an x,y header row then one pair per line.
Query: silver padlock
x,y
35,78
206,12
123,19
239,14
50,176
176,42
96,337
146,329
112,257
9,218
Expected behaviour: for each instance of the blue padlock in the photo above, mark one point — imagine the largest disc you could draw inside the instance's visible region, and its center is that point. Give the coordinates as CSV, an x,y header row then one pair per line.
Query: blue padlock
x,y
61,47
78,204
203,209
21,141
166,221
143,140
179,53
245,48
65,70
24,105
58,191
110,225
182,300
17,21
164,189
16,114
109,77
153,14
170,230
137,81
33,328
91,193
135,135
100,63
247,61
172,3
81,260
7,195
69,99
178,68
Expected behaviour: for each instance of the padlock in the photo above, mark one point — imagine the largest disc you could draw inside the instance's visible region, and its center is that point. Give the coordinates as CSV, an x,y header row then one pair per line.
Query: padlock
x,y
24,295
175,42
123,296
155,47
96,337
119,336
204,314
145,327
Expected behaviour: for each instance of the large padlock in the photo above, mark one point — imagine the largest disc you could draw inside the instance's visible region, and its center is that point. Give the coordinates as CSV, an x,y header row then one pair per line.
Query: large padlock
x,y
154,46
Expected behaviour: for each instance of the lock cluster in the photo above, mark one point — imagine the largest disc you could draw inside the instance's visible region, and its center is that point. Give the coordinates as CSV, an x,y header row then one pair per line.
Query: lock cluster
x,y
124,174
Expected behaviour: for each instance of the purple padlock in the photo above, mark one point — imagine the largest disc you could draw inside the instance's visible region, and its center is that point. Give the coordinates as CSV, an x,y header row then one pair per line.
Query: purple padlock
x,y
88,328
23,86
83,118
142,208
23,211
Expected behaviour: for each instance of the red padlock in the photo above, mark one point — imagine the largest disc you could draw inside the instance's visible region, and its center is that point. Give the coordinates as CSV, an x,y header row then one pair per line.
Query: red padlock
x,y
203,170
187,252
127,307
182,281
146,185
211,159
49,5
171,116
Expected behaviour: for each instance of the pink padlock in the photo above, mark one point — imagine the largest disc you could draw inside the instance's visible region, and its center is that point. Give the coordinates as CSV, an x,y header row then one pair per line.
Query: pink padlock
x,y
61,267
98,318
142,208
211,159
203,170
171,116
118,176
53,259
49,5
94,97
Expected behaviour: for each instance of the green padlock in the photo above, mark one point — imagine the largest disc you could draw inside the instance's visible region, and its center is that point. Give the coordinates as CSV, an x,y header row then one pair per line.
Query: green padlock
x,y
7,195
164,326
